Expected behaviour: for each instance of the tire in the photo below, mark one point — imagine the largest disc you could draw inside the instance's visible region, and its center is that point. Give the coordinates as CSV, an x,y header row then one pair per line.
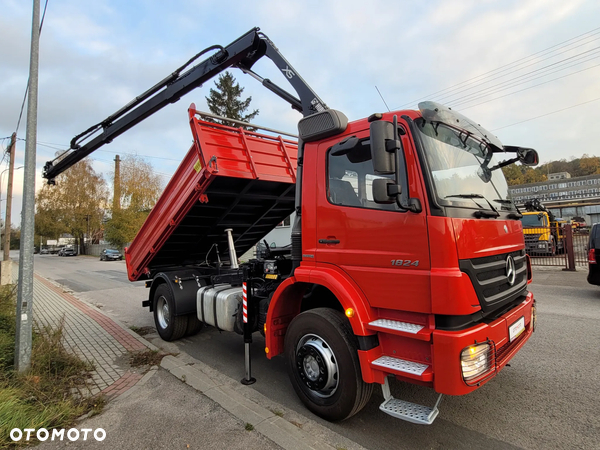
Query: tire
x,y
323,364
169,326
193,325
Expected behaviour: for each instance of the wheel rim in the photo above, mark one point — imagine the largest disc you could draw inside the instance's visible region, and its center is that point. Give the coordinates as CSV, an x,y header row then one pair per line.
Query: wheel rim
x,y
317,366
162,312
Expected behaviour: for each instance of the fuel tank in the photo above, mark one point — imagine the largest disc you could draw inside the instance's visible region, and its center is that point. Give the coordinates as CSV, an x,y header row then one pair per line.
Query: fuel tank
x,y
218,305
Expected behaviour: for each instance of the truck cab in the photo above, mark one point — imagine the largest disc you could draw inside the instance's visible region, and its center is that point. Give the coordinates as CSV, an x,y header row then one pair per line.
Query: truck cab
x,y
544,234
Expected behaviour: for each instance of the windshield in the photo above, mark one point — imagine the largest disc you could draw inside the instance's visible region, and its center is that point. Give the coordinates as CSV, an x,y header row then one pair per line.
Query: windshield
x,y
455,159
533,220
112,251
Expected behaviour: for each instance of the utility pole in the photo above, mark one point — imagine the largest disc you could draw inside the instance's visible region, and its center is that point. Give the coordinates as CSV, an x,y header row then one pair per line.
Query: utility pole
x,y
6,267
117,185
25,287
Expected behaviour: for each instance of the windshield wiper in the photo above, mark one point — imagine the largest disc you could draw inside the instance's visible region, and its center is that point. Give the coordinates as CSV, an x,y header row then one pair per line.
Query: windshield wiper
x,y
513,215
505,203
465,196
492,212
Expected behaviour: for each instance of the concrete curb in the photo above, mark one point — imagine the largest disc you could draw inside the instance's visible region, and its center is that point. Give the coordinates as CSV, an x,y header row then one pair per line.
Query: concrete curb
x,y
286,428
301,434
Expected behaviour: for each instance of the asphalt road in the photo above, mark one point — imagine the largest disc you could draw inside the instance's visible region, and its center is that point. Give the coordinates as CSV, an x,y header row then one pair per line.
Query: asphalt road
x,y
546,399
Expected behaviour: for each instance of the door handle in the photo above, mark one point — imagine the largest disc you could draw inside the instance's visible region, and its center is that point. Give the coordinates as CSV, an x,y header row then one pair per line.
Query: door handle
x,y
329,241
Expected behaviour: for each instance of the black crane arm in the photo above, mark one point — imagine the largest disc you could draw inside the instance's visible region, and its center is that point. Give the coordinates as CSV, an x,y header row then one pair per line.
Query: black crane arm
x,y
242,53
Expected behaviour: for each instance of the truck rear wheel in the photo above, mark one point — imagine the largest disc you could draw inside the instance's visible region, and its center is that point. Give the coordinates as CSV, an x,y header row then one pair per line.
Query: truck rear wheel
x,y
193,325
323,364
169,326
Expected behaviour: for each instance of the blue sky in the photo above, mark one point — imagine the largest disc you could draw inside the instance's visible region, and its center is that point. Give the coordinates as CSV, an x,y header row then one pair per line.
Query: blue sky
x,y
97,56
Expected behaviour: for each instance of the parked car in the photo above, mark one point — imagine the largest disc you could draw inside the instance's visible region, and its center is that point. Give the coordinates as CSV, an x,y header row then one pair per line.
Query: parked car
x,y
68,251
44,251
594,255
109,254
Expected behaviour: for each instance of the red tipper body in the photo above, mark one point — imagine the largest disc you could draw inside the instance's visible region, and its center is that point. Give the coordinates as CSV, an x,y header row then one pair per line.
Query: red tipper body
x,y
230,178
415,287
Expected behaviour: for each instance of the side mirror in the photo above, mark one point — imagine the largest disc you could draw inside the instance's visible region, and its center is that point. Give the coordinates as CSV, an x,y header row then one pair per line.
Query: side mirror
x,y
385,191
528,156
382,133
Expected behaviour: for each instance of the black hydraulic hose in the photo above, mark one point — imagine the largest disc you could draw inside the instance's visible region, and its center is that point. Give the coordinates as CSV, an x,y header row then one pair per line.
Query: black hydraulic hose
x,y
139,99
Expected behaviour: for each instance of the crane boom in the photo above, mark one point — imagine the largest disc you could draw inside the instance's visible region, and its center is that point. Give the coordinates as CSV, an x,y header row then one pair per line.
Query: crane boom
x,y
242,53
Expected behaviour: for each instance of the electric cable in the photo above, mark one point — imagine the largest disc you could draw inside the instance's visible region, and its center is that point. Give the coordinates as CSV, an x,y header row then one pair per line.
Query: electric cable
x,y
511,65
462,108
547,68
547,114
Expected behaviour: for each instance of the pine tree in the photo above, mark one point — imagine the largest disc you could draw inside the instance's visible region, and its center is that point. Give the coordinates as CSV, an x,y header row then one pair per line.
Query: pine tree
x,y
226,101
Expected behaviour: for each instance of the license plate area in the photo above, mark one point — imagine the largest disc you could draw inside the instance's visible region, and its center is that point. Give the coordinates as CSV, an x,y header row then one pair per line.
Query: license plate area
x,y
516,329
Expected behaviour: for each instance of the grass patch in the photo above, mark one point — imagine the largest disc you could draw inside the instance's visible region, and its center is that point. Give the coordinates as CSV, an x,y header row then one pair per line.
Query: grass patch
x,y
277,412
142,331
47,395
146,358
249,427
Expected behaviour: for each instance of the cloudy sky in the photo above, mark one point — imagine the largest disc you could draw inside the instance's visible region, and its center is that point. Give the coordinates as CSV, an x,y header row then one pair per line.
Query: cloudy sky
x,y
529,70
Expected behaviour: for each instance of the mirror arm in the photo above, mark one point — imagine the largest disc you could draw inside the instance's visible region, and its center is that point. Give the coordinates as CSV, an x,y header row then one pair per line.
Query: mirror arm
x,y
508,162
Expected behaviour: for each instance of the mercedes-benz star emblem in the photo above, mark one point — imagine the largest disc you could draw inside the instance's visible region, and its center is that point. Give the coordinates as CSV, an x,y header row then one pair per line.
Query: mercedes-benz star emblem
x,y
511,271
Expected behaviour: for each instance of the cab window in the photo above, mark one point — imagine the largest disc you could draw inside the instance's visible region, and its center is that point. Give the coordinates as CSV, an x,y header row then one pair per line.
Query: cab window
x,y
350,179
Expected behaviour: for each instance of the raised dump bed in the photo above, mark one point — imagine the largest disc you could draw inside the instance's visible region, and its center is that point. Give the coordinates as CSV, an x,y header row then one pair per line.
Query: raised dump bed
x,y
230,178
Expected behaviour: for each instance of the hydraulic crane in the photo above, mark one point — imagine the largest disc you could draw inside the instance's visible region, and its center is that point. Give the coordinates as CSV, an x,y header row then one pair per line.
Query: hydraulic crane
x,y
243,53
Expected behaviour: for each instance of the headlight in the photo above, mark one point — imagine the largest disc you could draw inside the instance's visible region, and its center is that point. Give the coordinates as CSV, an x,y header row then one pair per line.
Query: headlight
x,y
475,360
541,245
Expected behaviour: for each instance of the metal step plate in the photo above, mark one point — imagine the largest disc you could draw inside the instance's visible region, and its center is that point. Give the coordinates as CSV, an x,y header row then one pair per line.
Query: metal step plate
x,y
401,365
411,412
399,326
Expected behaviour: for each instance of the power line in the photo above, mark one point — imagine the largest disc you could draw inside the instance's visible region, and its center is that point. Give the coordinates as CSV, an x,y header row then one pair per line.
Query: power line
x,y
511,65
547,114
521,90
115,152
514,69
492,90
547,69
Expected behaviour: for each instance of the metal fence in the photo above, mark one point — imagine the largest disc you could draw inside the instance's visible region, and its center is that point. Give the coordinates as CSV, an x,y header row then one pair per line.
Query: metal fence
x,y
556,246
581,238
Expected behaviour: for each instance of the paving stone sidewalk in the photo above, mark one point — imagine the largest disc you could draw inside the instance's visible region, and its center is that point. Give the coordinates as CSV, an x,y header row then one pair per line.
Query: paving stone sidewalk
x,y
89,334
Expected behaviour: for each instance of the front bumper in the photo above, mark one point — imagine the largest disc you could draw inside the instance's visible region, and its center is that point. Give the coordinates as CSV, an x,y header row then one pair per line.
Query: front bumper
x,y
537,247
448,345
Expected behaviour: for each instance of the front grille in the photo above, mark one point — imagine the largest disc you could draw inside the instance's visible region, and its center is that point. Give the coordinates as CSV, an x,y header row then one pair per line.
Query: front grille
x,y
532,238
490,281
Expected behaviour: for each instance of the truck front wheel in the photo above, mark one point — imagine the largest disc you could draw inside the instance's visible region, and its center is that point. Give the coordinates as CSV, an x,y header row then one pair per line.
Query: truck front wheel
x,y
169,326
323,365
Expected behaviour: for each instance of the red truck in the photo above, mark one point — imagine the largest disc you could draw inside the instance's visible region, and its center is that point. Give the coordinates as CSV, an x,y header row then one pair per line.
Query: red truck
x,y
407,257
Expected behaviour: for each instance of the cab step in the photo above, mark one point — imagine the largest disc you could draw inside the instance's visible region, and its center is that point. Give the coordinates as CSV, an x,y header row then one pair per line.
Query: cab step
x,y
400,365
409,369
410,412
411,330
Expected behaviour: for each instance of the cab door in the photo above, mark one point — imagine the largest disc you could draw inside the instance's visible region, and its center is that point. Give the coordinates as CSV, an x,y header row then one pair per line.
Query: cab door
x,y
382,248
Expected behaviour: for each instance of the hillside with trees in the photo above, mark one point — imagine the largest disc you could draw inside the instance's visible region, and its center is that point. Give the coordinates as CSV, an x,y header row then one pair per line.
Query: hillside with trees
x,y
518,174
